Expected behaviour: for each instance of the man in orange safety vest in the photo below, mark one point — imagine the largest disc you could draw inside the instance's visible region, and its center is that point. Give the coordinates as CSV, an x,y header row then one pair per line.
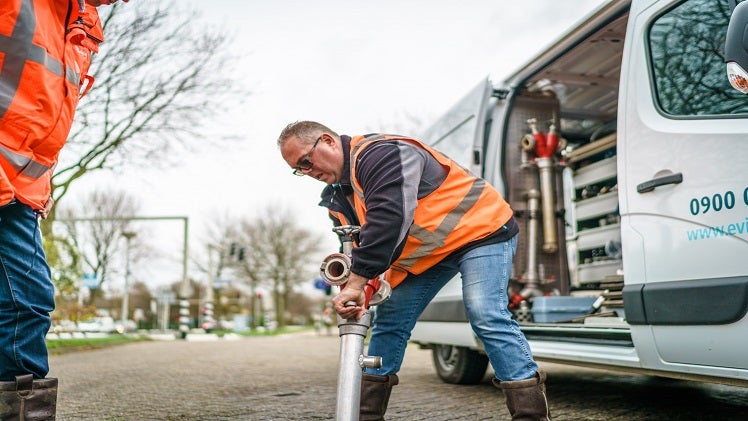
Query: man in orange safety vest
x,y
45,54
423,219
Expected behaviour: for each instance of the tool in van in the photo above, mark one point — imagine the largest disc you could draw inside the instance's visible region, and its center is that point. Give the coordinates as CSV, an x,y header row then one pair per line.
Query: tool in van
x,y
545,146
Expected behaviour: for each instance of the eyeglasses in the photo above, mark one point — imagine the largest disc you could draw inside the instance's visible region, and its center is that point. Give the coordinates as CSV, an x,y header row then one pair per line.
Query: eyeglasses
x,y
305,164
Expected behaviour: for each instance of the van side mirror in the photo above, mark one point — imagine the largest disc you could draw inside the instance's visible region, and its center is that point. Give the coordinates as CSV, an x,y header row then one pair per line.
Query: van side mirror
x,y
736,46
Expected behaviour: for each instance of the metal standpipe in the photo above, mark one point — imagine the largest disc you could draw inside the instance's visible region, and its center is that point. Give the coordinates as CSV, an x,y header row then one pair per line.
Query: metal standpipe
x,y
350,365
335,270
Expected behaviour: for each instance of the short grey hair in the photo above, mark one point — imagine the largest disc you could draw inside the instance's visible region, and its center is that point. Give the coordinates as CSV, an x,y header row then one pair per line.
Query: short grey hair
x,y
307,130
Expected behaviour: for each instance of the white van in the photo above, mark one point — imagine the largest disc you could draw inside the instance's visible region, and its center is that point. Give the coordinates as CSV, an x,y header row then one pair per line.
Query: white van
x,y
633,250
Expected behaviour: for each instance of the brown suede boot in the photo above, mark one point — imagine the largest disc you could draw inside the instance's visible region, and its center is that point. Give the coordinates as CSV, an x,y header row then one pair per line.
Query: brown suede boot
x,y
27,399
375,394
526,398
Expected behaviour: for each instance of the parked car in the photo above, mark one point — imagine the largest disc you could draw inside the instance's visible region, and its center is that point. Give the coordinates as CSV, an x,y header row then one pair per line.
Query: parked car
x,y
63,326
98,325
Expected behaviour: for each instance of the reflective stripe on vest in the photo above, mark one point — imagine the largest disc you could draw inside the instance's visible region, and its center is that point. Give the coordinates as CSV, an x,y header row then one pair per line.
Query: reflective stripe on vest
x,y
432,240
24,165
485,209
18,49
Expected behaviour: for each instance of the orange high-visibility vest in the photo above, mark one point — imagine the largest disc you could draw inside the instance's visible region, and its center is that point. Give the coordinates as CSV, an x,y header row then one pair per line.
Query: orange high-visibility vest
x,y
463,209
45,54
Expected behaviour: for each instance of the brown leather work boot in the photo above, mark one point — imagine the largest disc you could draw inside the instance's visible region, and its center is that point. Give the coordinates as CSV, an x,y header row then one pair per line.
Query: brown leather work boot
x,y
375,394
27,399
526,398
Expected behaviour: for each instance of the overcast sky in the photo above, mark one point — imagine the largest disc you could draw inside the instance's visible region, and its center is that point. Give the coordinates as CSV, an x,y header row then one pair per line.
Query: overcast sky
x,y
357,66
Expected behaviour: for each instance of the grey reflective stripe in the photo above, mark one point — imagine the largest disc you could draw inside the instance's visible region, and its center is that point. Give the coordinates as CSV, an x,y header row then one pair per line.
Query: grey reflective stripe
x,y
72,76
433,240
19,49
361,144
24,165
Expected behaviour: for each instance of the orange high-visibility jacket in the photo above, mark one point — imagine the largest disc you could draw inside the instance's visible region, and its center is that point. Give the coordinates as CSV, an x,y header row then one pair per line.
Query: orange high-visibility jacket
x,y
45,54
463,209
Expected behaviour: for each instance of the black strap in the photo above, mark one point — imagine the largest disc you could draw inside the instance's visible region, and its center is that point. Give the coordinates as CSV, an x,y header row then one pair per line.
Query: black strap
x,y
24,384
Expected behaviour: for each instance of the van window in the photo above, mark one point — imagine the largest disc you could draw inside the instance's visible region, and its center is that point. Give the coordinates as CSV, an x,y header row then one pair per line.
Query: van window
x,y
687,60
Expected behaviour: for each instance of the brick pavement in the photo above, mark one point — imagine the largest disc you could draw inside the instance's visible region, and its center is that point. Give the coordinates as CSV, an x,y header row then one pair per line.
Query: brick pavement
x,y
289,377
292,377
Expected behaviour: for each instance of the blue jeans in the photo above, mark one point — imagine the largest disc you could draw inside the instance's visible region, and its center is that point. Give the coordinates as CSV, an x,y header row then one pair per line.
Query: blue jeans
x,y
485,276
26,294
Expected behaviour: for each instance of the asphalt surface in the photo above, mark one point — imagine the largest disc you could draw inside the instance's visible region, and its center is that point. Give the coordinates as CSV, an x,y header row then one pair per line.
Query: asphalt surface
x,y
293,377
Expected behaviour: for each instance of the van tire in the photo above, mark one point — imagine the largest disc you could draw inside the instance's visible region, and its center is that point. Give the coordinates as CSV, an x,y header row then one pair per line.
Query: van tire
x,y
459,365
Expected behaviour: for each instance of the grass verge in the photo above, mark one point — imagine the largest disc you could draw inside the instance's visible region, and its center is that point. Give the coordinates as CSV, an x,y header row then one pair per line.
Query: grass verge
x,y
61,346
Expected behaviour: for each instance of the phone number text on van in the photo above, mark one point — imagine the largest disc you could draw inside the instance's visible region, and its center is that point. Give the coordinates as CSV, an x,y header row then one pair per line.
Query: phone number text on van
x,y
717,202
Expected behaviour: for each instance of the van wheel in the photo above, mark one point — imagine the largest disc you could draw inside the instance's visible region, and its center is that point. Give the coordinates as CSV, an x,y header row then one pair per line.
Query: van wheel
x,y
459,365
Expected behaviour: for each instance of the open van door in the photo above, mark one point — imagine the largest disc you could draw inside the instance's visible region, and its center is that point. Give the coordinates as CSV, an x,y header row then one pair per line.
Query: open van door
x,y
460,132
683,162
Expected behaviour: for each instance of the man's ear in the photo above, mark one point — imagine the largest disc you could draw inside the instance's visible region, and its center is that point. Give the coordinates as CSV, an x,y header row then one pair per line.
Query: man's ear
x,y
330,140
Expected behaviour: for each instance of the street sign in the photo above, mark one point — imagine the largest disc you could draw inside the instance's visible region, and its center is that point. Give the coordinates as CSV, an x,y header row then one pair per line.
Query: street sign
x,y
166,297
320,284
221,283
90,280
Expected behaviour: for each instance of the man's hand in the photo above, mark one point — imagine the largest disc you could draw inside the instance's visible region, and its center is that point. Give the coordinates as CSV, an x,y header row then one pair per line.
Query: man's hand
x,y
353,291
43,213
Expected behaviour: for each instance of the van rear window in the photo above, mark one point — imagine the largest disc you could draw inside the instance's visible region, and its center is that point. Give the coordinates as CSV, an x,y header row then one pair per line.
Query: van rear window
x,y
687,61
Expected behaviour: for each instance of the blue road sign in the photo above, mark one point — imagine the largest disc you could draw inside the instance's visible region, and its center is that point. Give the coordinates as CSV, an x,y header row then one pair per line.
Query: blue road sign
x,y
90,280
320,284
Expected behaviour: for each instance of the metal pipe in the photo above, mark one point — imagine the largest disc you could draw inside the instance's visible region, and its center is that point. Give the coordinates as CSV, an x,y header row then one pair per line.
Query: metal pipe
x,y
335,269
548,201
531,278
126,297
184,303
352,335
545,147
531,273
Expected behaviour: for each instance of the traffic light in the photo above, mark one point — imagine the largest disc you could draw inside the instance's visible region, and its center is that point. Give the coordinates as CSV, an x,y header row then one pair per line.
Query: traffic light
x,y
237,252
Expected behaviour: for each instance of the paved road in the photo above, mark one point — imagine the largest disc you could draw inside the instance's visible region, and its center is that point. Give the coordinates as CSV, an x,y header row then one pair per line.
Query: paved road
x,y
292,377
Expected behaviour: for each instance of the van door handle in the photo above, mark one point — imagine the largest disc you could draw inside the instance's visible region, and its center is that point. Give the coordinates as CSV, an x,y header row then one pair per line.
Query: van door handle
x,y
650,185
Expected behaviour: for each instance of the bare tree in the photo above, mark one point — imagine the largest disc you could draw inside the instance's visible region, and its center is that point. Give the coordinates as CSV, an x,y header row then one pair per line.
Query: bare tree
x,y
161,76
94,232
247,257
289,251
305,307
140,298
271,251
221,233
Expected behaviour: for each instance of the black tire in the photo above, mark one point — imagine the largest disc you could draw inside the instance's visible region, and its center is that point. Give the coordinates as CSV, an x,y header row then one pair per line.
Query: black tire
x,y
459,365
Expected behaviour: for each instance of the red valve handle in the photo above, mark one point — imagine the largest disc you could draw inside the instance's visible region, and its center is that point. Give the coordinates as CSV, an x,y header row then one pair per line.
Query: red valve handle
x,y
371,287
